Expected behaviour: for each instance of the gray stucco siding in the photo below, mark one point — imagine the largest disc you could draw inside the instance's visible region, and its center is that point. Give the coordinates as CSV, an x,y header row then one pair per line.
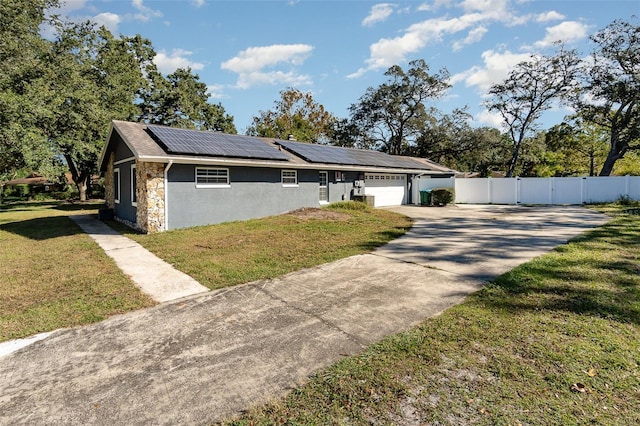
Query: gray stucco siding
x,y
251,193
124,209
341,190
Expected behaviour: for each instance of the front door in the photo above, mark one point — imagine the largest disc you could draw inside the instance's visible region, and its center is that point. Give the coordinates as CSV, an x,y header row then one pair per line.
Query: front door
x,y
324,189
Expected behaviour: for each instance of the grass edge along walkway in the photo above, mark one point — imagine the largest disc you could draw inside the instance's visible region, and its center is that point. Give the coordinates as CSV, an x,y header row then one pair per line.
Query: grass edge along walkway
x,y
54,276
554,341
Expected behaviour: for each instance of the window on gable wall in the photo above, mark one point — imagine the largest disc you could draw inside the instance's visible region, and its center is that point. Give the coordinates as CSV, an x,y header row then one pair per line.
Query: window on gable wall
x,y
116,186
209,177
289,178
134,186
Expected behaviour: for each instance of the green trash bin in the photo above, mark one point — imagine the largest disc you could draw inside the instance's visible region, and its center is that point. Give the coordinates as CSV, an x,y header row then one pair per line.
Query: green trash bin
x,y
425,198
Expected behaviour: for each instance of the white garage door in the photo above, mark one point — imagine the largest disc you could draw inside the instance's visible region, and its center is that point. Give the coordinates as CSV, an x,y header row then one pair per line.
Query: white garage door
x,y
388,190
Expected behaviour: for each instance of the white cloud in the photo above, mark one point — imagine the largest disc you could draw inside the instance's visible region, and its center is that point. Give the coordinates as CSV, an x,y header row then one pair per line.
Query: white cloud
x,y
476,17
216,91
495,69
473,36
178,58
433,5
249,64
146,13
198,3
492,119
379,12
490,8
247,80
390,51
109,20
566,32
549,16
67,6
256,58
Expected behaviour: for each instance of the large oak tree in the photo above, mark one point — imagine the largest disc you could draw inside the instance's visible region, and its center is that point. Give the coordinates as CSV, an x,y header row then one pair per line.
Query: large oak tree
x,y
90,80
392,115
22,144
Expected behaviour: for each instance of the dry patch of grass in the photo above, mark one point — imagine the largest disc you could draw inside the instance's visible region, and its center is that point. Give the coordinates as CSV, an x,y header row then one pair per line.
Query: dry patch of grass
x,y
555,341
54,275
238,252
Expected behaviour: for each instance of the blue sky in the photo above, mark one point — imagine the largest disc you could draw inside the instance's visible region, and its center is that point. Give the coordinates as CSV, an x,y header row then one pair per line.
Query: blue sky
x,y
248,51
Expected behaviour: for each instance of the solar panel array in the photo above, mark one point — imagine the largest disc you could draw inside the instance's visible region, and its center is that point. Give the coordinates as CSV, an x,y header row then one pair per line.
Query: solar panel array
x,y
315,153
195,142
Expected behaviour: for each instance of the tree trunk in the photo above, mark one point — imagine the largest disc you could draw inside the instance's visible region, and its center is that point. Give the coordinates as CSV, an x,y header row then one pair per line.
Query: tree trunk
x,y
83,183
80,177
82,189
513,161
616,152
516,153
607,167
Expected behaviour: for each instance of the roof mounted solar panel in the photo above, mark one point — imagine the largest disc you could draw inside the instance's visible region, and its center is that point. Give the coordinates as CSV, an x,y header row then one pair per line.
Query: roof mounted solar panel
x,y
327,154
214,144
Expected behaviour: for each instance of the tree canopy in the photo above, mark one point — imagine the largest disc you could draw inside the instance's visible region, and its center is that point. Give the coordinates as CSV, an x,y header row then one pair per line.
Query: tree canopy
x,y
57,96
530,90
610,95
21,48
296,114
392,115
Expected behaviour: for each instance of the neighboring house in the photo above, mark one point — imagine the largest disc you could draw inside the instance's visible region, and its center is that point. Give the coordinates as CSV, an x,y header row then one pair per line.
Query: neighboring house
x,y
159,178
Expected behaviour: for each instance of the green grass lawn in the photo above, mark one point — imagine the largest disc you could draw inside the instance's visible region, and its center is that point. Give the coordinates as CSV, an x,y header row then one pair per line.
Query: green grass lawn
x,y
510,354
53,275
555,341
238,252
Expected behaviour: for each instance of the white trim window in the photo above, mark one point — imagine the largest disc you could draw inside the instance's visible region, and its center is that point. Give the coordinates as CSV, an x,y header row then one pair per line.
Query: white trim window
x,y
211,177
289,178
134,186
116,186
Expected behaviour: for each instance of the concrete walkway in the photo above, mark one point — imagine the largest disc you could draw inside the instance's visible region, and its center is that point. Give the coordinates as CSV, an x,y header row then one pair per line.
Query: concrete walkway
x,y
206,357
161,281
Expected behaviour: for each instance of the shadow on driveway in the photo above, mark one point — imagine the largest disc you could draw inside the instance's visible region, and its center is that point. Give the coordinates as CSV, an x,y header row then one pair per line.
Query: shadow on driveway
x,y
204,358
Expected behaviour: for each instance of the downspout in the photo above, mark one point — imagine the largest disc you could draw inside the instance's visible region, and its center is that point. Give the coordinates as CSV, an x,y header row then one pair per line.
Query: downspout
x,y
166,195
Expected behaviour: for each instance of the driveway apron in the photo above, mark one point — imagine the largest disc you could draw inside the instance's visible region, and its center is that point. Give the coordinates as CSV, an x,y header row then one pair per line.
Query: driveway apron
x,y
206,357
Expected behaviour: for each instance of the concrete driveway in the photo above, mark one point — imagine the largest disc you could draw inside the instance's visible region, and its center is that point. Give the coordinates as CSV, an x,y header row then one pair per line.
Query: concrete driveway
x,y
206,357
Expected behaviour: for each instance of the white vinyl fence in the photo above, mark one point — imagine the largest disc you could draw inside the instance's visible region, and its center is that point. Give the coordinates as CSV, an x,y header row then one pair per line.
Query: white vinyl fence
x,y
568,190
427,182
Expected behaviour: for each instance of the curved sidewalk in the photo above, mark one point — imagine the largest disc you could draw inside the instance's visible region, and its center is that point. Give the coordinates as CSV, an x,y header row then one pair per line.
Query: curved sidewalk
x,y
204,358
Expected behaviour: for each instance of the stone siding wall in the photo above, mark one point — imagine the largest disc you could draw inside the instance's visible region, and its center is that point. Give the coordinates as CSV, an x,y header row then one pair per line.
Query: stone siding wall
x,y
150,197
109,189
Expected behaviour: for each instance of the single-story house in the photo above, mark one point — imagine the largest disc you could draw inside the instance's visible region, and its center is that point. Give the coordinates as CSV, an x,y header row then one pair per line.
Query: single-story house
x,y
159,178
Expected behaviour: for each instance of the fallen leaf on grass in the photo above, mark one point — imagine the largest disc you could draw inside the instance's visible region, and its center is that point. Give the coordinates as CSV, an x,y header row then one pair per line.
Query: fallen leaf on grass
x,y
591,373
578,387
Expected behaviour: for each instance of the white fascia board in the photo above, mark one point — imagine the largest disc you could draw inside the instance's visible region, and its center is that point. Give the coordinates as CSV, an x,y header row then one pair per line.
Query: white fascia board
x,y
284,165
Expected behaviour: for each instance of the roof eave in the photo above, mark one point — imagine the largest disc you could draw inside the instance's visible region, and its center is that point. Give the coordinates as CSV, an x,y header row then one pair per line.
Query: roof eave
x,y
114,127
217,161
105,148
